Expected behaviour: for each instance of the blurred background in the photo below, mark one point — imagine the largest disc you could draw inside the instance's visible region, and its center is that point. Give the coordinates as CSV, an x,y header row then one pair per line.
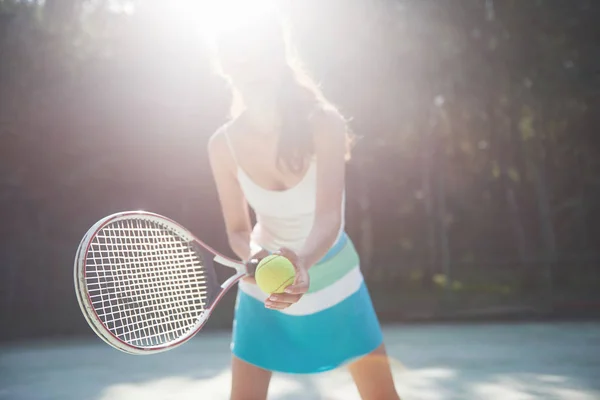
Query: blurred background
x,y
474,192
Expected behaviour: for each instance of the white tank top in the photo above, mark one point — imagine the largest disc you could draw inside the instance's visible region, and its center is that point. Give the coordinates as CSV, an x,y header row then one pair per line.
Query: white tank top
x,y
284,218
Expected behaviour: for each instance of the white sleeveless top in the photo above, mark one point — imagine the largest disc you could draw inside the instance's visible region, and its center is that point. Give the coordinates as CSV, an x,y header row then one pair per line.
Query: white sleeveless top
x,y
284,218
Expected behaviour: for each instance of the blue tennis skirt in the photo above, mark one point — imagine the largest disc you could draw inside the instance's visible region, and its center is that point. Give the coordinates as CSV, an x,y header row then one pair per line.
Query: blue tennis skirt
x,y
332,324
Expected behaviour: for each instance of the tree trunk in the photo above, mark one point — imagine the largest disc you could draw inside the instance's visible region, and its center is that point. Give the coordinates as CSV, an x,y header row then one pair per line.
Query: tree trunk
x,y
366,220
517,225
443,126
60,13
427,168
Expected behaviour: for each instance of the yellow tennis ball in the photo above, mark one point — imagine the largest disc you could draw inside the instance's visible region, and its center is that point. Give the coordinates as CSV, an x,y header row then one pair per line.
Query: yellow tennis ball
x,y
274,273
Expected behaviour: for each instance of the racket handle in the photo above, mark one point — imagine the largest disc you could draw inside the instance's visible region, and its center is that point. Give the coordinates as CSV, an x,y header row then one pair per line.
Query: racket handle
x,y
251,266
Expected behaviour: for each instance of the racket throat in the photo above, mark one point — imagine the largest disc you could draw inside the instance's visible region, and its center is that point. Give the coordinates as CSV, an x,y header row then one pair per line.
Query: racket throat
x,y
240,269
232,280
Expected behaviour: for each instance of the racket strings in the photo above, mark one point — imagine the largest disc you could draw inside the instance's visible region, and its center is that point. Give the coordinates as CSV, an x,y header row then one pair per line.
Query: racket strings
x,y
116,289
162,309
146,284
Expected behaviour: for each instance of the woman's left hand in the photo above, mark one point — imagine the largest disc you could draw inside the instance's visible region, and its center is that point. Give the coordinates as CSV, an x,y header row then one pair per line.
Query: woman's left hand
x,y
294,292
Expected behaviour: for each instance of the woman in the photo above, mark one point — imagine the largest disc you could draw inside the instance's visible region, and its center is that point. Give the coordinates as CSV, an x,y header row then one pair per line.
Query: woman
x,y
283,153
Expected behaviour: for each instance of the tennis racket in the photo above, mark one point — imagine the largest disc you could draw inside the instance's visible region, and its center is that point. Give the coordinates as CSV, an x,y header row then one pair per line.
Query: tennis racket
x,y
145,284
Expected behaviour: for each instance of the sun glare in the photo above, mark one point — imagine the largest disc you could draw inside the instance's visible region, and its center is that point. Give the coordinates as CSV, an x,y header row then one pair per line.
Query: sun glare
x,y
216,16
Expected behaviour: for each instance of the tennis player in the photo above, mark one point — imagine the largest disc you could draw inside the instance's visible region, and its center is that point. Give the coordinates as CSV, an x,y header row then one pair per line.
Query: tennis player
x,y
283,153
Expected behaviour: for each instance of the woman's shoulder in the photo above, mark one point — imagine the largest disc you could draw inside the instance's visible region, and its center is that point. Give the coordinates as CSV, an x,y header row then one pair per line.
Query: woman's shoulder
x,y
328,123
219,145
331,131
219,140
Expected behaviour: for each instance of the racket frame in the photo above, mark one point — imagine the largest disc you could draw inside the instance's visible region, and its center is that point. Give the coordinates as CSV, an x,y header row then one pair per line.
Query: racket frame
x,y
84,299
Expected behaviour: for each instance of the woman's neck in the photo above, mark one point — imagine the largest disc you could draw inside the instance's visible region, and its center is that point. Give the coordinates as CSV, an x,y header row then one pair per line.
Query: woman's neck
x,y
263,118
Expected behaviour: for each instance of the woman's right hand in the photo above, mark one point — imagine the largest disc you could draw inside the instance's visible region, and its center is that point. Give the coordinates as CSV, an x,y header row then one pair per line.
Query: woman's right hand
x,y
252,264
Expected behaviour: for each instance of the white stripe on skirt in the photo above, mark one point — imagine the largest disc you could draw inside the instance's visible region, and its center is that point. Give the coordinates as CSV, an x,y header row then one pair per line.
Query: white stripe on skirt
x,y
317,301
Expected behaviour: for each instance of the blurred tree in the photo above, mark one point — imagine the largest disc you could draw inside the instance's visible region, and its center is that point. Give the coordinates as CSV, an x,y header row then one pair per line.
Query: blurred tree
x,y
477,153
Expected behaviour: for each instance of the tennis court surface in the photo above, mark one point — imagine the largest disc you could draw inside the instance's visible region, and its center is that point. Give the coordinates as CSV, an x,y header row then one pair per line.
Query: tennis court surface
x,y
549,361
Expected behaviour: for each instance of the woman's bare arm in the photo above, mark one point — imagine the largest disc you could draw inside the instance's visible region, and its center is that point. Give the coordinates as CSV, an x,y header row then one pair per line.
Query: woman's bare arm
x,y
233,202
330,151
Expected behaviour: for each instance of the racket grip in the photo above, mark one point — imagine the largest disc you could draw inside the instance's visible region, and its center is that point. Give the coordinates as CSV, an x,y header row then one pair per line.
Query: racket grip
x,y
255,260
251,266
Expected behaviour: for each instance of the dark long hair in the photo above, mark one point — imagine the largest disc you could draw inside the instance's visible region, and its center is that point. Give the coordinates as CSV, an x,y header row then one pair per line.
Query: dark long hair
x,y
300,98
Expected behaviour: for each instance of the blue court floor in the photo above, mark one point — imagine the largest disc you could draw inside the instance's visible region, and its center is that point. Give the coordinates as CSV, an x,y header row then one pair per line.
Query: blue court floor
x,y
559,361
